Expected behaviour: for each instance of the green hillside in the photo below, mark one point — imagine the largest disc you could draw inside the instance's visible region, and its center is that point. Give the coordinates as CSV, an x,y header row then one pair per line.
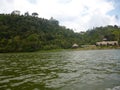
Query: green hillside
x,y
111,33
27,33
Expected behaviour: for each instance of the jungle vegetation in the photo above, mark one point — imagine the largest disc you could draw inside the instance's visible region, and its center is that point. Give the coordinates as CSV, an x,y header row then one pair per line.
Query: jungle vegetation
x,y
21,33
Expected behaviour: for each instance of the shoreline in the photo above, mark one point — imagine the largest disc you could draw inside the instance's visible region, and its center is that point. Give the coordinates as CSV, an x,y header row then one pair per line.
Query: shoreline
x,y
97,48
71,49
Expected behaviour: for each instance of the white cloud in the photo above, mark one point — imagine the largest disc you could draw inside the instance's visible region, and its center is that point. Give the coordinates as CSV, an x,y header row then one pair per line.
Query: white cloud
x,y
6,6
76,14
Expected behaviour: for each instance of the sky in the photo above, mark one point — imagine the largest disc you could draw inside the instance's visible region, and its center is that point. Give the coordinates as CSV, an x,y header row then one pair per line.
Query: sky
x,y
79,15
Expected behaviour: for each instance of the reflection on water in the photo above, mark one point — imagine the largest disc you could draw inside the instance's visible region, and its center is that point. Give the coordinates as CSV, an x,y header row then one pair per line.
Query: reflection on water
x,y
64,70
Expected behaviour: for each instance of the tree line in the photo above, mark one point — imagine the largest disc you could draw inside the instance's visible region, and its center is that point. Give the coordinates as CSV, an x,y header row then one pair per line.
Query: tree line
x,y
27,33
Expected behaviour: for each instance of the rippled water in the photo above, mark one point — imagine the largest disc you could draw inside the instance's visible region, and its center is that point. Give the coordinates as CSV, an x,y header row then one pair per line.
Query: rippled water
x,y
63,70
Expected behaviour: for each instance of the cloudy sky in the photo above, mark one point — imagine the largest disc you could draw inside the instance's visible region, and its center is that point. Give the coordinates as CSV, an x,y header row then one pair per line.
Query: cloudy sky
x,y
79,15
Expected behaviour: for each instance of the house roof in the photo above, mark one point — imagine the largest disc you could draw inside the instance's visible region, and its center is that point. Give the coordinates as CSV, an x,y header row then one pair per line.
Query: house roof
x,y
75,45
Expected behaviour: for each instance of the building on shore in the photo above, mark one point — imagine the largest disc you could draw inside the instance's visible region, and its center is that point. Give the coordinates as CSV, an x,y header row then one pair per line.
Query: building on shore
x,y
107,43
75,45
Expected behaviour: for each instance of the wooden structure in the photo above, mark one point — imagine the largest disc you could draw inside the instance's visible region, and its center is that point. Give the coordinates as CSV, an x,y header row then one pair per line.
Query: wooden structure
x,y
75,45
107,43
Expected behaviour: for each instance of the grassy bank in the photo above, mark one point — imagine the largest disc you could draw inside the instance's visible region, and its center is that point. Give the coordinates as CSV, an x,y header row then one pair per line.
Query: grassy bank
x,y
97,48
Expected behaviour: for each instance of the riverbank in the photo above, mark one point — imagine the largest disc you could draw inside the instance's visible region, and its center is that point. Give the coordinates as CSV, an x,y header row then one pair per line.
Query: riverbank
x,y
96,48
78,49
71,49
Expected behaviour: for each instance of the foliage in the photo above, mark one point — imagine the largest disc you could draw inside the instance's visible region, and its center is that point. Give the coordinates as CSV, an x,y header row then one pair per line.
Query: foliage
x,y
27,33
111,33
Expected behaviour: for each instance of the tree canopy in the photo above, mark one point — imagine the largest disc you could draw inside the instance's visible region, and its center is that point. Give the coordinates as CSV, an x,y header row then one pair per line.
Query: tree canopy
x,y
27,33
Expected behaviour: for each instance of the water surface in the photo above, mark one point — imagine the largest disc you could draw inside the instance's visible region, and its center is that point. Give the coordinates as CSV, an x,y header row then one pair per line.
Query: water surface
x,y
62,70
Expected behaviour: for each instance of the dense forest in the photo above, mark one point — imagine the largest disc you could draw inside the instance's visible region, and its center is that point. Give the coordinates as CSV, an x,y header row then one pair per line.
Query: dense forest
x,y
27,33
111,33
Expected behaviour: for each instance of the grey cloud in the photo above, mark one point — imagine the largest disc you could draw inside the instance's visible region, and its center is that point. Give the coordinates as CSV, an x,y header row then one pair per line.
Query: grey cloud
x,y
64,1
32,1
10,1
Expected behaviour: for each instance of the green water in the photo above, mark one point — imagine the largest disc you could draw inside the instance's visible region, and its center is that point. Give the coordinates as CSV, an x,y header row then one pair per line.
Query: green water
x,y
61,70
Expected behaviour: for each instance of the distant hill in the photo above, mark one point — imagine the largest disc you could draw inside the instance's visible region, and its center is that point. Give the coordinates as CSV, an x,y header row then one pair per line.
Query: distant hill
x,y
27,33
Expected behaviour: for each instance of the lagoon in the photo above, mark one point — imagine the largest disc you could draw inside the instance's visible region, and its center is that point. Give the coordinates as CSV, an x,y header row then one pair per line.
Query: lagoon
x,y
61,70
